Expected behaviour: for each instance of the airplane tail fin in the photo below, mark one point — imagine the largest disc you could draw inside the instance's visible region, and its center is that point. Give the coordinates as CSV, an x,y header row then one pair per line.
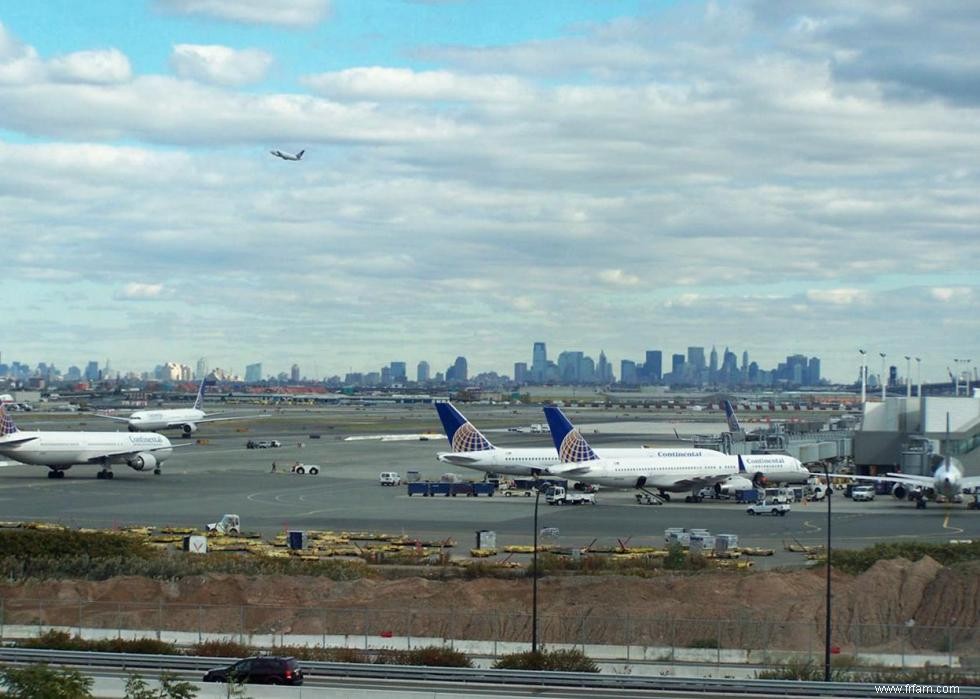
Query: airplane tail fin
x,y
299,156
460,432
7,425
733,425
571,445
206,381
741,466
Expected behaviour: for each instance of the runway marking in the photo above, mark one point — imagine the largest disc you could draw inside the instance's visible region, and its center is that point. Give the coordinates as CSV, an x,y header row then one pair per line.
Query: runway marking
x,y
952,530
812,527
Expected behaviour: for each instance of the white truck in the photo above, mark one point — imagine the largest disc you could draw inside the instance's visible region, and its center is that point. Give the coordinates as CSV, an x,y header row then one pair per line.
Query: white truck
x,y
768,507
559,496
229,525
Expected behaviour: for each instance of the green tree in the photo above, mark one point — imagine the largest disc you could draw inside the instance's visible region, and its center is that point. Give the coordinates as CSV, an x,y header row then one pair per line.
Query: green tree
x,y
42,681
170,688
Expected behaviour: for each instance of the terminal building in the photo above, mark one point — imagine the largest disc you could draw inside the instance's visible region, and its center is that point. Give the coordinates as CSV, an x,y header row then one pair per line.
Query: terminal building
x,y
910,434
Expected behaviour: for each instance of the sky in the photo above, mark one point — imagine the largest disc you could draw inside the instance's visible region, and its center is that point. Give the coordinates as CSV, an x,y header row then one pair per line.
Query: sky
x,y
616,175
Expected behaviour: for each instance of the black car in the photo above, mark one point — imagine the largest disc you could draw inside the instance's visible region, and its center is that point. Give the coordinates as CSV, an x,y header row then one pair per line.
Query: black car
x,y
263,669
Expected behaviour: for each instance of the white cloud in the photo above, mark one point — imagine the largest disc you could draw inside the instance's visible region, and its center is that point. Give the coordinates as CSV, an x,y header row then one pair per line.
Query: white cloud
x,y
947,294
101,67
138,291
286,13
19,63
617,277
219,65
379,83
838,297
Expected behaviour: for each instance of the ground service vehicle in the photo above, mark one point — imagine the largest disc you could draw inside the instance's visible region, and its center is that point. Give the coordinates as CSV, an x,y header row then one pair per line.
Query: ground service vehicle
x,y
229,524
863,493
263,669
560,496
263,444
389,478
768,507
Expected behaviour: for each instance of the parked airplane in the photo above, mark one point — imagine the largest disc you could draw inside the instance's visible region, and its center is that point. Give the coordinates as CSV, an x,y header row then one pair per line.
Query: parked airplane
x,y
472,450
947,480
663,470
187,419
287,156
59,451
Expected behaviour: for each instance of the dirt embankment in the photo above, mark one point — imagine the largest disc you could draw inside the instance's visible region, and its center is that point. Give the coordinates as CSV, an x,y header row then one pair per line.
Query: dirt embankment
x,y
772,609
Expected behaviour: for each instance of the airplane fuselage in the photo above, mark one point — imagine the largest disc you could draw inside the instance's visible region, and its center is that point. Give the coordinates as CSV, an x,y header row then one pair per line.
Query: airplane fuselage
x,y
776,468
150,420
674,473
522,462
65,449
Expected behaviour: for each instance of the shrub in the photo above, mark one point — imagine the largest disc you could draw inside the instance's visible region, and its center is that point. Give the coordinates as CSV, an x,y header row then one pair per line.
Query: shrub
x,y
572,660
62,640
33,681
431,656
704,643
316,653
947,554
222,649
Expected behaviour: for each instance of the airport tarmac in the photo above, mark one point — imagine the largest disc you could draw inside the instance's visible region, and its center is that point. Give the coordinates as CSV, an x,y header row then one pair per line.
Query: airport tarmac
x,y
201,482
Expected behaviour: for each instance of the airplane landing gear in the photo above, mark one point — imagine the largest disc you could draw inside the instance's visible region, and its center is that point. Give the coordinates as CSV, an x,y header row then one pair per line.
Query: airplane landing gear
x,y
105,474
56,473
157,472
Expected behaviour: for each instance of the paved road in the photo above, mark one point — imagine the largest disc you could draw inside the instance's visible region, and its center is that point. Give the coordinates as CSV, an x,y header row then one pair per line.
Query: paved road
x,y
201,482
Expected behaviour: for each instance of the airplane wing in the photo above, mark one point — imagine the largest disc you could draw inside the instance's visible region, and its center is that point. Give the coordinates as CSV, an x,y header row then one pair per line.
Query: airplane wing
x,y
688,483
109,417
232,417
573,469
131,452
923,481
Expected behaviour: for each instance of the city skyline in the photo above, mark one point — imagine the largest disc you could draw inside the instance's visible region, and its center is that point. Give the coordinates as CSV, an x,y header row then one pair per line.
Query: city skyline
x,y
697,365
607,176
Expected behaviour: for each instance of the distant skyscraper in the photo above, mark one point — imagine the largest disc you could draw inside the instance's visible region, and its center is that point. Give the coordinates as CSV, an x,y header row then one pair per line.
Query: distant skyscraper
x,y
294,373
422,372
677,367
202,368
603,370
458,372
695,357
627,372
653,367
253,372
713,365
399,372
520,372
813,371
92,371
539,362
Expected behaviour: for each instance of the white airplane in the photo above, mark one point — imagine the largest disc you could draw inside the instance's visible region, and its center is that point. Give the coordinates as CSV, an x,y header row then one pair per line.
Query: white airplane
x,y
287,156
663,470
947,480
59,451
472,450
187,419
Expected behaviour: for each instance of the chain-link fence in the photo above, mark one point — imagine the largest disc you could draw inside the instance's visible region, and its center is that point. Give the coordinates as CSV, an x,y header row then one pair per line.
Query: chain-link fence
x,y
623,638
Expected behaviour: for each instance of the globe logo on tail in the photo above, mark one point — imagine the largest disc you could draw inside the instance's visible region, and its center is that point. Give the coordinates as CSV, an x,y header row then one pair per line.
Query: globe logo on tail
x,y
574,449
7,425
468,438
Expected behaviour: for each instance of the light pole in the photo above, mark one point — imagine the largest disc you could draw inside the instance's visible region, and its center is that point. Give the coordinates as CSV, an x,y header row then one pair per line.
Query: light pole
x,y
884,384
864,377
918,374
826,649
908,376
534,578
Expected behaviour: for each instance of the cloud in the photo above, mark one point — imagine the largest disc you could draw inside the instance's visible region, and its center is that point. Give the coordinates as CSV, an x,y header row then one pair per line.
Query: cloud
x,y
138,291
617,277
219,65
103,67
837,297
381,83
285,13
947,295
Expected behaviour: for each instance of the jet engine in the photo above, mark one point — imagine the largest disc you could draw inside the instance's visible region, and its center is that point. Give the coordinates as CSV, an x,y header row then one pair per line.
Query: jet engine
x,y
900,491
759,479
188,428
142,461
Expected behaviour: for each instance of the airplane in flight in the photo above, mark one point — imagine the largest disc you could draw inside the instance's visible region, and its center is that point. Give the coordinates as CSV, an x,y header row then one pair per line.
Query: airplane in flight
x,y
663,470
59,451
287,156
187,419
472,450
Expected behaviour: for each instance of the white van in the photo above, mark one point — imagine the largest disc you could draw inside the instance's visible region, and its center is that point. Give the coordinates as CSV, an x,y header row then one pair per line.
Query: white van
x,y
389,478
